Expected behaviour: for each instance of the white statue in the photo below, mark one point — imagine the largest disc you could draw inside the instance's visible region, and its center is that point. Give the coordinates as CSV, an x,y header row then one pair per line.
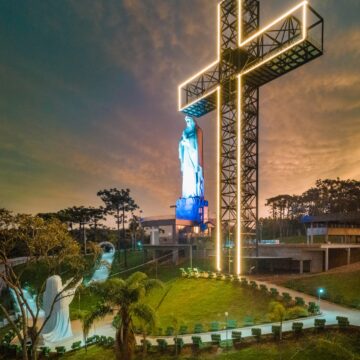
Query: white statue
x,y
190,155
58,327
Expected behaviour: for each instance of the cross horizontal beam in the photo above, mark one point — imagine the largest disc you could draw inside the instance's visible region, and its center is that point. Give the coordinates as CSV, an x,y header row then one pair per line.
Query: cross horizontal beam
x,y
288,42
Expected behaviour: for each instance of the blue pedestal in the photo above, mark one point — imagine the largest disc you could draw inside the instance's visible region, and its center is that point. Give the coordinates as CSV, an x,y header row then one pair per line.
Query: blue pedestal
x,y
191,209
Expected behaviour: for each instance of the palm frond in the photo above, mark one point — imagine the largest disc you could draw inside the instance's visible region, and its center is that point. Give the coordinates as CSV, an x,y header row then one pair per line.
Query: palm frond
x,y
145,313
136,277
151,284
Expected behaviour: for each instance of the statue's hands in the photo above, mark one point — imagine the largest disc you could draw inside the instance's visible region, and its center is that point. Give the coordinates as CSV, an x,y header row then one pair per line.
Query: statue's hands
x,y
185,141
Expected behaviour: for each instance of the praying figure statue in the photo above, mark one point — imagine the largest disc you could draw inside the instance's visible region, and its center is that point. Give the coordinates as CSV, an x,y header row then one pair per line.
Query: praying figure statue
x,y
191,160
58,327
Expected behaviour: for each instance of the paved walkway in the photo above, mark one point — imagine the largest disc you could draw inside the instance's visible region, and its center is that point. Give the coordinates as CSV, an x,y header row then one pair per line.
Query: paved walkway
x,y
329,312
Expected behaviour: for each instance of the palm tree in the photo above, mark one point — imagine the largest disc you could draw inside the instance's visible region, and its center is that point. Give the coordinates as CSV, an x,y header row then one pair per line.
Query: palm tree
x,y
126,297
87,319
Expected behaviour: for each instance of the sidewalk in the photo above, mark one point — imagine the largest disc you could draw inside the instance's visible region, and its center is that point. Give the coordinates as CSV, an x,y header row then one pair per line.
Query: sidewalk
x,y
329,311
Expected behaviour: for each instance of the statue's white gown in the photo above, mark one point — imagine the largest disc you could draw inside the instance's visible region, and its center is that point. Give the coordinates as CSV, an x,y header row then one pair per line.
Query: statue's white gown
x,y
58,326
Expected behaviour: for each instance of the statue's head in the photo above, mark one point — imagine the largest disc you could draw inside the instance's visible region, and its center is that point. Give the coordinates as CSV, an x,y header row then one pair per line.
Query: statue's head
x,y
190,123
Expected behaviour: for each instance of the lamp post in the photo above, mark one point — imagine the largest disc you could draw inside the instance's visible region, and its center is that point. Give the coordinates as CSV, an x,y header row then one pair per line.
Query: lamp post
x,y
320,292
226,328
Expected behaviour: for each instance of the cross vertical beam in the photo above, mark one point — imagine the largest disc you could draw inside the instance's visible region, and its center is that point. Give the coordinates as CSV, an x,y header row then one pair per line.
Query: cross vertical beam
x,y
247,58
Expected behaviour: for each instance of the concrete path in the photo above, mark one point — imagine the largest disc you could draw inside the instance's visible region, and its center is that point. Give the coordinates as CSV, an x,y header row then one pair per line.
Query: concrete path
x,y
329,311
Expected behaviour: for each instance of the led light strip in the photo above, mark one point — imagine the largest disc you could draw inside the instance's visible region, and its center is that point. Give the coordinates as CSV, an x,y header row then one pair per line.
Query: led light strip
x,y
267,27
239,176
198,99
239,115
218,180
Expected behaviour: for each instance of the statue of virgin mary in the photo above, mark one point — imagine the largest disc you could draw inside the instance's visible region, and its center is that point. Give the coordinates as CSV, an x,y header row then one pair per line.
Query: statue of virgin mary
x,y
191,160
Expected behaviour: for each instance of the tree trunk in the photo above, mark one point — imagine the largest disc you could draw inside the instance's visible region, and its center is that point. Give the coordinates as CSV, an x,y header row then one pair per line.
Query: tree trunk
x,y
118,343
118,229
144,345
24,351
125,340
124,241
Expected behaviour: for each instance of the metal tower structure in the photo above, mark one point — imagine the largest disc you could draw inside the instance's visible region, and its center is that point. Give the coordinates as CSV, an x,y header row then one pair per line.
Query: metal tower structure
x,y
247,58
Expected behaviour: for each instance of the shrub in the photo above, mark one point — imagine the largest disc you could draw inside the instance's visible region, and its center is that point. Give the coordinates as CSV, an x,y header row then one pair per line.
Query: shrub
x,y
274,292
263,288
276,329
355,303
60,350
257,333
299,301
76,345
313,308
296,312
343,322
45,351
243,282
236,336
286,297
110,341
297,327
169,331
319,324
253,284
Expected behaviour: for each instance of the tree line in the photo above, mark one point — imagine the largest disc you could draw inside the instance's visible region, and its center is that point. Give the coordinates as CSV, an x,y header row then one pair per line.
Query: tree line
x,y
328,196
87,222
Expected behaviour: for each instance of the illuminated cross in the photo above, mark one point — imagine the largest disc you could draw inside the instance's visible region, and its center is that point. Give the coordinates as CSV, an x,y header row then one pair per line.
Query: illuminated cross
x,y
247,58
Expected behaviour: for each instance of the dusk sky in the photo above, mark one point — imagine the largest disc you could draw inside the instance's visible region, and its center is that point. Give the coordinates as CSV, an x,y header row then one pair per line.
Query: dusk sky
x,y
88,100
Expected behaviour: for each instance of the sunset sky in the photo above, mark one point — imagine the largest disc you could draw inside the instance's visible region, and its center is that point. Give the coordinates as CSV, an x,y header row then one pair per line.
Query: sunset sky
x,y
88,100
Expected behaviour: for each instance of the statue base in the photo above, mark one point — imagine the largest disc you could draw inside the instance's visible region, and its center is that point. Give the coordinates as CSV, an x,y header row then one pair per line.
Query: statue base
x,y
192,209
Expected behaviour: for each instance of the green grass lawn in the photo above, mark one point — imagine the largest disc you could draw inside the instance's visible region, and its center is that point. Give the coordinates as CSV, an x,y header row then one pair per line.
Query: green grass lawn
x,y
328,346
193,301
342,288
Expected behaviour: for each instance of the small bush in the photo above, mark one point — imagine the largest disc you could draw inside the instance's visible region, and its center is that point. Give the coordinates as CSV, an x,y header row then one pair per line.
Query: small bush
x,y
297,327
253,284
343,322
169,331
243,282
286,297
319,324
263,288
355,303
257,333
299,301
274,292
297,312
76,345
275,329
61,350
313,308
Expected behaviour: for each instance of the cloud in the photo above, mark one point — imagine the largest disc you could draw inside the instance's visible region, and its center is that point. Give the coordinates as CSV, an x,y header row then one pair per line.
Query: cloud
x,y
115,123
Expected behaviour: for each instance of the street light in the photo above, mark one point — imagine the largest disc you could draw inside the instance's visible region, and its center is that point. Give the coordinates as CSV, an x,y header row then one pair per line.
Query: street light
x,y
226,328
320,292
